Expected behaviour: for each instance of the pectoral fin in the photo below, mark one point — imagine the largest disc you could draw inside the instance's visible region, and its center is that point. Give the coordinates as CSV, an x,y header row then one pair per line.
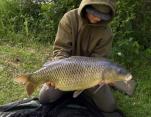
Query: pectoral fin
x,y
99,87
77,93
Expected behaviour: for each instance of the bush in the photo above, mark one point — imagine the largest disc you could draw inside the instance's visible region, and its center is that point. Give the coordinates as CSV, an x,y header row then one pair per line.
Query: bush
x,y
130,37
39,22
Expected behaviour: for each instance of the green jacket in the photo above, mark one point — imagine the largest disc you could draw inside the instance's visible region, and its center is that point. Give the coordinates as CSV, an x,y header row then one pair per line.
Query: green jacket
x,y
77,37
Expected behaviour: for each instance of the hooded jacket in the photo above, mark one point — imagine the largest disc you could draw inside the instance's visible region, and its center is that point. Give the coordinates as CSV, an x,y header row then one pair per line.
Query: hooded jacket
x,y
77,37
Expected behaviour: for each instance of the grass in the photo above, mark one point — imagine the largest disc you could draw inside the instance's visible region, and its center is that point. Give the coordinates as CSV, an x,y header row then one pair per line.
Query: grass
x,y
15,60
139,104
21,58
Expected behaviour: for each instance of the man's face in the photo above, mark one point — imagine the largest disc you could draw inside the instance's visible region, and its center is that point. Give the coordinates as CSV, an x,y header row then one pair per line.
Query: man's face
x,y
93,19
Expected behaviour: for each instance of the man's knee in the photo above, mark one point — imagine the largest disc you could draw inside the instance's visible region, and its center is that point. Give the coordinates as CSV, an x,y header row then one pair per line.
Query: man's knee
x,y
103,98
48,94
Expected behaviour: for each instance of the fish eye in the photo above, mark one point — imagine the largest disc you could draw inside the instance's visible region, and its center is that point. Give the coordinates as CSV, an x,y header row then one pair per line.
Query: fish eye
x,y
121,71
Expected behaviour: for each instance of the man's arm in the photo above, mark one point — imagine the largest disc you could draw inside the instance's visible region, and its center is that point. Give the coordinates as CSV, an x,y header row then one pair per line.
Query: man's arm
x,y
63,42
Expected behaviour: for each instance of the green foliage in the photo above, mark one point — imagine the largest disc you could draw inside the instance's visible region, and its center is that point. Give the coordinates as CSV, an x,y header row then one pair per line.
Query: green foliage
x,y
16,60
35,21
130,32
22,20
28,57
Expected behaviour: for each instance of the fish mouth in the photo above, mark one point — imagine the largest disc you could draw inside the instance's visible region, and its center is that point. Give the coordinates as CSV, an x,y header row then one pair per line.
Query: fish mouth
x,y
129,77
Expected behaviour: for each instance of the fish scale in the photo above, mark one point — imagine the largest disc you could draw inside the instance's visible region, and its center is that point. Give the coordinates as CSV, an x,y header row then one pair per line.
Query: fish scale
x,y
76,73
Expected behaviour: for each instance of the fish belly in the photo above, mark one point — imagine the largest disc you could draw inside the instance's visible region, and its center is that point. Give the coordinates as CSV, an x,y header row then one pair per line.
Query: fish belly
x,y
71,86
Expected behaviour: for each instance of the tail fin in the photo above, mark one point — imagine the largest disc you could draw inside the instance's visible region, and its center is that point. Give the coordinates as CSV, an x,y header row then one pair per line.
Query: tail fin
x,y
25,80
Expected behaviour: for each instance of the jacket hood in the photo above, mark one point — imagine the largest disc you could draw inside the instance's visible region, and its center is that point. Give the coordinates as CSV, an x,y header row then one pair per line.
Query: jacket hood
x,y
109,3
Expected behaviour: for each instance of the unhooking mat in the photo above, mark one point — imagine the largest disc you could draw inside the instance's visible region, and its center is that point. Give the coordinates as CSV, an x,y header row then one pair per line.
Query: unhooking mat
x,y
64,107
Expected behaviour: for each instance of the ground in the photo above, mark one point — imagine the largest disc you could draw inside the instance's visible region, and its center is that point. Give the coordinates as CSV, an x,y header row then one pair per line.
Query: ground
x,y
23,58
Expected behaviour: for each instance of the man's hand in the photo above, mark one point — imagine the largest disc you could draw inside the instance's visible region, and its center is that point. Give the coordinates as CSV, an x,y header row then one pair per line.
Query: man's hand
x,y
50,84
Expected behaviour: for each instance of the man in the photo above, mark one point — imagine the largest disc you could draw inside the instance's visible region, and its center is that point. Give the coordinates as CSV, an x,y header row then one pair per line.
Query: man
x,y
85,32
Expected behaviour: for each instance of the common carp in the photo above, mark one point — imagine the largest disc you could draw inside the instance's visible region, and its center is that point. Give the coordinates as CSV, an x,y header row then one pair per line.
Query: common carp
x,y
75,73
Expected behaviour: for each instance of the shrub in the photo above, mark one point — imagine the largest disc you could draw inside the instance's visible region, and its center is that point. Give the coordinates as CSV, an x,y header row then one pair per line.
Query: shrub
x,y
39,22
130,37
35,21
